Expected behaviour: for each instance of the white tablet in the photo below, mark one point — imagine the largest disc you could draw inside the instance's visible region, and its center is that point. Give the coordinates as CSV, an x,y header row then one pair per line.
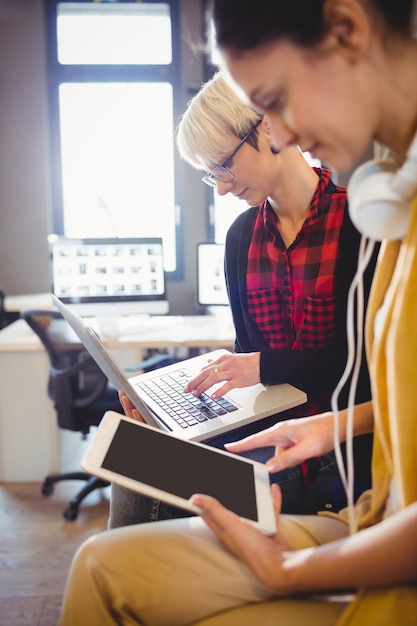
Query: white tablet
x,y
162,466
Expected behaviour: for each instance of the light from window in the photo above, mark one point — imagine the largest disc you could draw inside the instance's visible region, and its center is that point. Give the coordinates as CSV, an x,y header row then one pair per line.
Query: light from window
x,y
116,134
95,33
117,152
226,209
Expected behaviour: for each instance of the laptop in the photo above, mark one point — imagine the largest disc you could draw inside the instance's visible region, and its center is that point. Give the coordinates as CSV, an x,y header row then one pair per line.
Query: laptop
x,y
129,453
159,398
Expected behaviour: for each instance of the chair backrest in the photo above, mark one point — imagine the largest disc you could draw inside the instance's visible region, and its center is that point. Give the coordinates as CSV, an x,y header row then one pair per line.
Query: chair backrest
x,y
3,319
75,381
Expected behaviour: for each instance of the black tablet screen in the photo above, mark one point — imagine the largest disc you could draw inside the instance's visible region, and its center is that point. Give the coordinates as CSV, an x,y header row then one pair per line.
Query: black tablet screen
x,y
181,468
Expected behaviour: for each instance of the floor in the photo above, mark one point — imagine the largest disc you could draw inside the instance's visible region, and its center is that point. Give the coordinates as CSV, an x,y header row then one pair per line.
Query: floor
x,y
36,548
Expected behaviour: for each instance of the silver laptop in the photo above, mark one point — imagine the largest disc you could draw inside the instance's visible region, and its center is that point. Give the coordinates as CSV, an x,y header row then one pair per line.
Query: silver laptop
x,y
159,397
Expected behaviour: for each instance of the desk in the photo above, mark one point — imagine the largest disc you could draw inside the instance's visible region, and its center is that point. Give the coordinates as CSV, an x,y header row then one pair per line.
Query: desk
x,y
167,331
15,304
31,444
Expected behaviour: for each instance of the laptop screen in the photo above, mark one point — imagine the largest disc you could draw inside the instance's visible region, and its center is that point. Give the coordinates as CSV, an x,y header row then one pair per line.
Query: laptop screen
x,y
111,270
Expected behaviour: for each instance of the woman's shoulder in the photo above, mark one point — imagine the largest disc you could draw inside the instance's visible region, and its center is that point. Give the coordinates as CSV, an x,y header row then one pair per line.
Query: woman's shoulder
x,y
240,231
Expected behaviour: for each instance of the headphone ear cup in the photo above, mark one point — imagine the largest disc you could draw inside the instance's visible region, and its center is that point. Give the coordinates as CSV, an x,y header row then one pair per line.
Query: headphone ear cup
x,y
376,209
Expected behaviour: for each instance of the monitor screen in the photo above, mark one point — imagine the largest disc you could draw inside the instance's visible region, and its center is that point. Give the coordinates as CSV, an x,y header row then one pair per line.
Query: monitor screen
x,y
112,270
211,284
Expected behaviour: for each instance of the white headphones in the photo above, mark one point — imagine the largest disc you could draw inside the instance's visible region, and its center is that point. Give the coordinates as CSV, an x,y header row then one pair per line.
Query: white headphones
x,y
380,194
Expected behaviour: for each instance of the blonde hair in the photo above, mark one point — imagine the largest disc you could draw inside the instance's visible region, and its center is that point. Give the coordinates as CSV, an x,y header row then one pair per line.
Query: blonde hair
x,y
211,117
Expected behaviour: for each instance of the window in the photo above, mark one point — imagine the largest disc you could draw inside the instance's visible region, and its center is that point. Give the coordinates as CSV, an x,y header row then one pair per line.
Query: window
x,y
113,74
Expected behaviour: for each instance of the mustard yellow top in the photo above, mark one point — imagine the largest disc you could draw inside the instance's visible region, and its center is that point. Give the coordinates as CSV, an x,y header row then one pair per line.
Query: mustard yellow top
x,y
392,358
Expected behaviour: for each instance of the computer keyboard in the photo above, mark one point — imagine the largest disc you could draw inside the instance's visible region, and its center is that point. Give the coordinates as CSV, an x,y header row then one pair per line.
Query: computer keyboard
x,y
187,410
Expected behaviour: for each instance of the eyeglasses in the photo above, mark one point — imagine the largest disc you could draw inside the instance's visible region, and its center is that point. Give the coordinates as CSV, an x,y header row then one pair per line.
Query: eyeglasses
x,y
221,172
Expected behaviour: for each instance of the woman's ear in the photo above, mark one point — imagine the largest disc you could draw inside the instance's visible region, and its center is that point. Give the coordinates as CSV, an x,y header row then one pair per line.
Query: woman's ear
x,y
347,27
270,134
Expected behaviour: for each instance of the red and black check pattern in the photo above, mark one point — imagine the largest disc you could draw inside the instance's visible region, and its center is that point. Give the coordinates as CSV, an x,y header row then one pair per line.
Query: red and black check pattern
x,y
291,291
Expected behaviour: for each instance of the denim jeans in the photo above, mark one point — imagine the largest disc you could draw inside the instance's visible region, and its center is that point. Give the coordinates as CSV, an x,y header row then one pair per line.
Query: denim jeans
x,y
326,493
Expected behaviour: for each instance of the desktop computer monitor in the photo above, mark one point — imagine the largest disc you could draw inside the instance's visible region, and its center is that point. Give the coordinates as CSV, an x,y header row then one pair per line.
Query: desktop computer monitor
x,y
111,276
211,284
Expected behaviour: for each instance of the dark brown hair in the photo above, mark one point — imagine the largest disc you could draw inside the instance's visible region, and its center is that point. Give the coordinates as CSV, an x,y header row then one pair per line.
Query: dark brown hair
x,y
246,24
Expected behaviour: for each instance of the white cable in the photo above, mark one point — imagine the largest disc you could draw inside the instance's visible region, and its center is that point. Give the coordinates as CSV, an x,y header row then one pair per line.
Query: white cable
x,y
353,362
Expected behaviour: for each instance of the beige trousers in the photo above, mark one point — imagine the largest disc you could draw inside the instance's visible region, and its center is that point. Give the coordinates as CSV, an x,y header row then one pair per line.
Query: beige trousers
x,y
175,572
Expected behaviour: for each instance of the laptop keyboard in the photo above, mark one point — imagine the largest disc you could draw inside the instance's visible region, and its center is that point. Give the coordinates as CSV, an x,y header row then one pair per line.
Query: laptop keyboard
x,y
184,408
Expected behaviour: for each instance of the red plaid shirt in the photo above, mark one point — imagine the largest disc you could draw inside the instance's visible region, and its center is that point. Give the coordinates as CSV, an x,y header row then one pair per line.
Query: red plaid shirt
x,y
291,291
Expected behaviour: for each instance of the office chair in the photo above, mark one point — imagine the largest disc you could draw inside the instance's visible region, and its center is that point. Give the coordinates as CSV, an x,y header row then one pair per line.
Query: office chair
x,y
78,388
3,317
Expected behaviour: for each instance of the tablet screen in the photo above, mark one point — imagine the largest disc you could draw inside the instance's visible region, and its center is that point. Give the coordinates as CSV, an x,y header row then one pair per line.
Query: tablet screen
x,y
182,468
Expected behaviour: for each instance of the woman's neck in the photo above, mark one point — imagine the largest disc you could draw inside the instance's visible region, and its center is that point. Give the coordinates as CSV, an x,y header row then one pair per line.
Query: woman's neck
x,y
291,200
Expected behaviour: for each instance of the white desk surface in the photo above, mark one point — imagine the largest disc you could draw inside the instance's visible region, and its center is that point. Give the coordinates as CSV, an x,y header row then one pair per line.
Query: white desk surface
x,y
137,332
19,337
164,331
167,331
15,304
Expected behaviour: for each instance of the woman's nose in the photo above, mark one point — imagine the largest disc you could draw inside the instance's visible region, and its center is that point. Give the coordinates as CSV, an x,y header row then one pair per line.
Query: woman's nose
x,y
223,188
281,134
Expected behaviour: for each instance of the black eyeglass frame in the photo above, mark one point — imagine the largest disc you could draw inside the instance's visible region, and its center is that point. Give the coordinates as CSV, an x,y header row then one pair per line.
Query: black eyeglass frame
x,y
210,177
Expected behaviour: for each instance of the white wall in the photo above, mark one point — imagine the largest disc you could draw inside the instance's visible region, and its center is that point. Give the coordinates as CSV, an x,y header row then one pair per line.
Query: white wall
x,y
23,148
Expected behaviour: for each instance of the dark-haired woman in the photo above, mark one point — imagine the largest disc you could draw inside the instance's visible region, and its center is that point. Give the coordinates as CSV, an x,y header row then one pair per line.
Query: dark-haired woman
x,y
352,81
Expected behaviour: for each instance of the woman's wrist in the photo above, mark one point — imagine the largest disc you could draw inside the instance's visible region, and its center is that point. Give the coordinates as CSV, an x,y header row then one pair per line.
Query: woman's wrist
x,y
287,571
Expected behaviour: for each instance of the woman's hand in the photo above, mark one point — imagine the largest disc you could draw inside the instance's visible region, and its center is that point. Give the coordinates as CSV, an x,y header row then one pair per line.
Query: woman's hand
x,y
262,554
129,409
294,440
238,370
299,439
379,556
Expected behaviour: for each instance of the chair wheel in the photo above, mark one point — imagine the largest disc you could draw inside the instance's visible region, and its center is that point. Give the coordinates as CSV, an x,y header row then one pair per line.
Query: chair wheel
x,y
71,513
47,488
